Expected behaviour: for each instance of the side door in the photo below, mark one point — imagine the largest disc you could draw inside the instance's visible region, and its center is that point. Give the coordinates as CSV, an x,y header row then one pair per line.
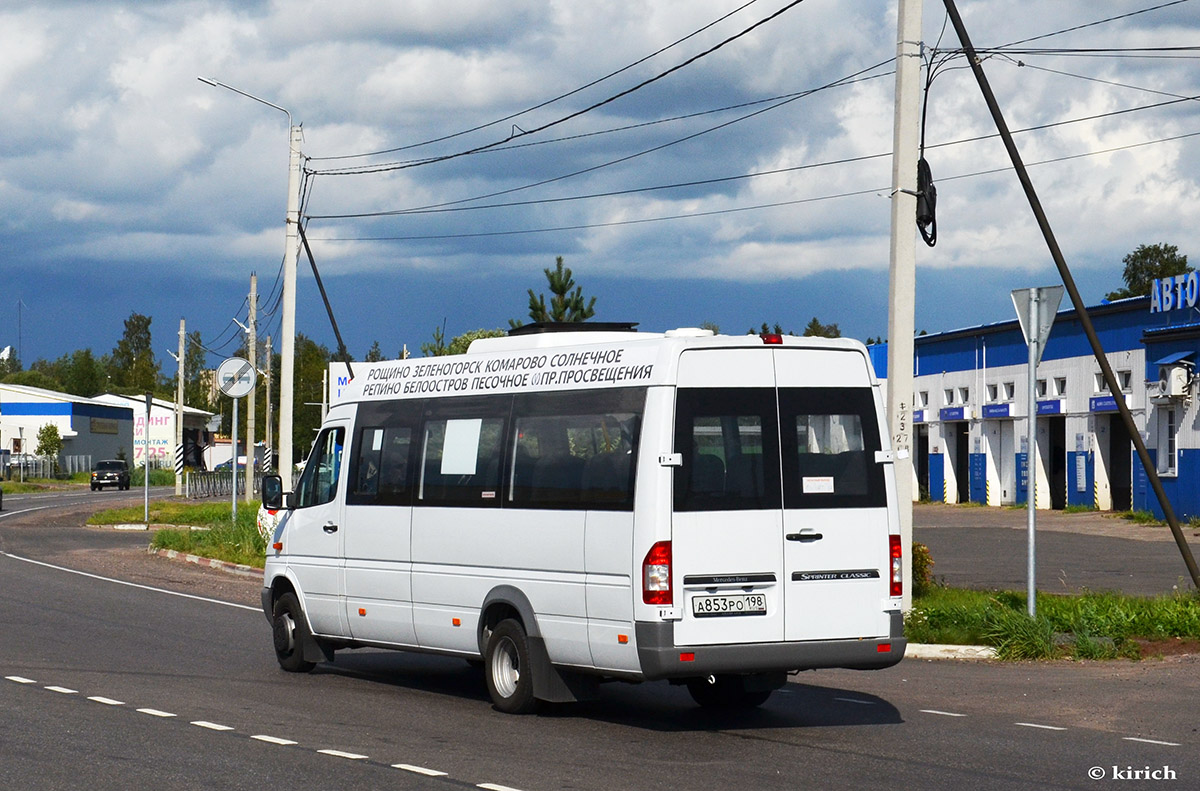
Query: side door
x,y
727,522
313,541
836,515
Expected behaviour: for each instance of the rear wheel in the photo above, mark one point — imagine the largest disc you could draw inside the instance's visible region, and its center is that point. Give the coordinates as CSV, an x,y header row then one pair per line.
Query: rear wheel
x,y
725,692
288,632
507,669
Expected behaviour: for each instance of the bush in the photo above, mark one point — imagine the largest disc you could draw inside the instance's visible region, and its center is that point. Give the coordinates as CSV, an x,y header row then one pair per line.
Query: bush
x,y
922,569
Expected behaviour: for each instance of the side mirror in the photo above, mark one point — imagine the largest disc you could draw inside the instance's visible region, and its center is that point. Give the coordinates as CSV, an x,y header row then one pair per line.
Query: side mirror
x,y
272,492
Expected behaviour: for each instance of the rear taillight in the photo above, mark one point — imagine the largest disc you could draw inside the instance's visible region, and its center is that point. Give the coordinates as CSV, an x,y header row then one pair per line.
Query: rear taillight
x,y
656,574
897,556
772,338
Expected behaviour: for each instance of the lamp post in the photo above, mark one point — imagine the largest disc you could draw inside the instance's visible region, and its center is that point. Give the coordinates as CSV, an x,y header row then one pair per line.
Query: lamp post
x,y
287,347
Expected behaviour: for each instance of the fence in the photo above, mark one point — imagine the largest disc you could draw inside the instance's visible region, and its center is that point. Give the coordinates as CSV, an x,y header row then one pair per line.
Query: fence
x,y
198,485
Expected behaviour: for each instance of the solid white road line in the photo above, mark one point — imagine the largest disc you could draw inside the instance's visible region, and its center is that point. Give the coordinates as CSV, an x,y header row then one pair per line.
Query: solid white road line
x,y
273,740
340,754
1043,727
107,701
155,713
132,584
419,770
212,726
941,713
1151,741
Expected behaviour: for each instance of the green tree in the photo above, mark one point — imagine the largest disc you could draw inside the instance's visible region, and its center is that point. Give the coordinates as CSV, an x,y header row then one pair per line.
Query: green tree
x,y
196,378
566,305
374,354
458,344
9,363
49,443
816,329
33,378
82,374
312,361
132,364
1147,263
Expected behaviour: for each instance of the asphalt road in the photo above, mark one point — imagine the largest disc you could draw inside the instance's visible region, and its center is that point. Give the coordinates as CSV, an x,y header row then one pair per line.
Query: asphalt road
x,y
105,685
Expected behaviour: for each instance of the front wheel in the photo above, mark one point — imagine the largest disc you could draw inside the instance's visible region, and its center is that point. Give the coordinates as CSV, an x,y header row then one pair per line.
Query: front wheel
x,y
725,692
288,632
507,669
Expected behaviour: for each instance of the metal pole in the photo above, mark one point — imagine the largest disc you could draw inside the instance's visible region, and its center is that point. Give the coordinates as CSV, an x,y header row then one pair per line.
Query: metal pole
x,y
252,348
179,414
233,464
1031,455
269,451
146,456
1085,320
903,281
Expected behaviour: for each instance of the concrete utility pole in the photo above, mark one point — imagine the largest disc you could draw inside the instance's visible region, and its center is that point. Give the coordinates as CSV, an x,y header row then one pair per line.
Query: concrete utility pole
x,y
902,286
252,349
179,415
268,437
287,349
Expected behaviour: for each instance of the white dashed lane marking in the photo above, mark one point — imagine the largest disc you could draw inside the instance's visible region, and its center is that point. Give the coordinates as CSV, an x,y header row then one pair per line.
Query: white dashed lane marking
x,y
421,770
274,740
212,726
1043,727
20,679
941,713
156,713
340,754
1151,741
63,690
107,701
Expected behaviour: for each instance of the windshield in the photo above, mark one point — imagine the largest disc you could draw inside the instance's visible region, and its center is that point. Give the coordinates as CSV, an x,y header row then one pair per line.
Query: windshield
x,y
111,465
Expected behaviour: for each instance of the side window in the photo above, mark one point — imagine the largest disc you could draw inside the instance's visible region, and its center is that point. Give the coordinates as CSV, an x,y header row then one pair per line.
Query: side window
x,y
461,452
381,466
830,436
319,482
729,441
575,450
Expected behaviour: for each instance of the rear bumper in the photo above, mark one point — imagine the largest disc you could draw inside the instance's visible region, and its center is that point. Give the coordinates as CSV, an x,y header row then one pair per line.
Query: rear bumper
x,y
660,657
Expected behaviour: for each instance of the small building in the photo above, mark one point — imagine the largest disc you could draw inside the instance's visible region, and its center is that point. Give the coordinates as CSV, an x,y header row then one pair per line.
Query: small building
x,y
158,439
970,409
90,429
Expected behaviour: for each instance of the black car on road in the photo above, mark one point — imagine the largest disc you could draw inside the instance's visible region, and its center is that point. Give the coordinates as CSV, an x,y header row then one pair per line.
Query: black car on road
x,y
111,472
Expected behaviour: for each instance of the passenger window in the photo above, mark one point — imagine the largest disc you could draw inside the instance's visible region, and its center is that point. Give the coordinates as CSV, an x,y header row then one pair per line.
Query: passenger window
x,y
318,484
575,450
729,441
460,460
829,443
381,466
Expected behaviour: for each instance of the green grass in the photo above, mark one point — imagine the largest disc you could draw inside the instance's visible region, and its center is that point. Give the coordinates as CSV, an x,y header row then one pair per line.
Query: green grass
x,y
1079,509
33,485
1085,626
222,540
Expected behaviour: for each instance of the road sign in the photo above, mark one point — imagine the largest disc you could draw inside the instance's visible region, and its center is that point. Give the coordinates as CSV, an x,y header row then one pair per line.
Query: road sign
x,y
1048,299
236,377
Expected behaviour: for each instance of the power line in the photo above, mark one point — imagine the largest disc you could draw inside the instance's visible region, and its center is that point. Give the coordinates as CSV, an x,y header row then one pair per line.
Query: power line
x,y
444,208
547,102
757,207
1097,22
577,113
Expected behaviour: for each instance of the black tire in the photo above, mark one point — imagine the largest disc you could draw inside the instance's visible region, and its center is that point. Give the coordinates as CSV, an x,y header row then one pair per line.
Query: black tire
x,y
725,692
289,630
93,487
507,669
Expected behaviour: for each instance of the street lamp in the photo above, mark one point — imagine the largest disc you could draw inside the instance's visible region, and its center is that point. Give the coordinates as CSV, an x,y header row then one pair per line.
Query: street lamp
x,y
287,350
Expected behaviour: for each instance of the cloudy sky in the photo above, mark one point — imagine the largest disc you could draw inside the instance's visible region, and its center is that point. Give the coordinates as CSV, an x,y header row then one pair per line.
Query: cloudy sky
x,y
748,185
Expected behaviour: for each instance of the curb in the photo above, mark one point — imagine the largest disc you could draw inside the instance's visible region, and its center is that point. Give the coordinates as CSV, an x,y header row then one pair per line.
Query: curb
x,y
935,651
221,565
153,526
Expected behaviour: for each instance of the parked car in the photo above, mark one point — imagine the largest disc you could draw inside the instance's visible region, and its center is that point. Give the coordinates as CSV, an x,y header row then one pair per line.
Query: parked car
x,y
110,472
227,465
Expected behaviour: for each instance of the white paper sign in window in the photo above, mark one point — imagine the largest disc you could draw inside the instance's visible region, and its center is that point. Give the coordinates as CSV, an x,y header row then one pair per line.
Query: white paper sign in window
x,y
461,449
817,484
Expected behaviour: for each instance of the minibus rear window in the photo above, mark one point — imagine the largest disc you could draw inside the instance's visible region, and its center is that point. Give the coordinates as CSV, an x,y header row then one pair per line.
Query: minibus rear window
x,y
729,442
829,440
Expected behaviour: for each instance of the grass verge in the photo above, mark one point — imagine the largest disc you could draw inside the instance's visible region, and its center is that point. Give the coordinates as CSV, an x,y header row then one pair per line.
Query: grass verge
x,y
221,539
1085,626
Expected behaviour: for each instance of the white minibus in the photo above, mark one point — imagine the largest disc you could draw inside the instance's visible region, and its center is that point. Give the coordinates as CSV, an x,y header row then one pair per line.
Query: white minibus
x,y
570,507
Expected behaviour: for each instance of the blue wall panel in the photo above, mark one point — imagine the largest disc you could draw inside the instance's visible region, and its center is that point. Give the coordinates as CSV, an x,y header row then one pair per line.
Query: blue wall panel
x,y
1183,490
937,477
978,462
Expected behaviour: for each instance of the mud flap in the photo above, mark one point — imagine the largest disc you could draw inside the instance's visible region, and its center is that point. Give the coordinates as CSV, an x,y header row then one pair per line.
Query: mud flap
x,y
558,685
